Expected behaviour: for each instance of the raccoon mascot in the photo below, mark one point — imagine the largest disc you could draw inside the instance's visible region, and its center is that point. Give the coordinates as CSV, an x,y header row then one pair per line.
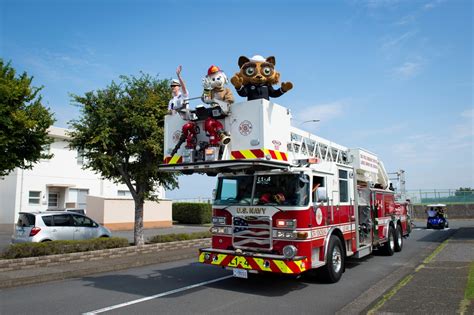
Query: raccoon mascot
x,y
256,78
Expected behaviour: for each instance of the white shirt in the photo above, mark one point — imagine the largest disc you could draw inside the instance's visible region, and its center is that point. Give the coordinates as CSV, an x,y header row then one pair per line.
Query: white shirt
x,y
177,101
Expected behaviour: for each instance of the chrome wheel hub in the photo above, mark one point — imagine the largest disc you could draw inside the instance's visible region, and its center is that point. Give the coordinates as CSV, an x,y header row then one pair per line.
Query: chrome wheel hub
x,y
336,260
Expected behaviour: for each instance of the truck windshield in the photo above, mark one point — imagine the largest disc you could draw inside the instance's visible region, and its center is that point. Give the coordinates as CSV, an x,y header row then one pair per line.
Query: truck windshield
x,y
276,190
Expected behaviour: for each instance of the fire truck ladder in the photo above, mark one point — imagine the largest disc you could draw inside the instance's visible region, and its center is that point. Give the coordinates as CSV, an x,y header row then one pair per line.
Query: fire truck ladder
x,y
305,145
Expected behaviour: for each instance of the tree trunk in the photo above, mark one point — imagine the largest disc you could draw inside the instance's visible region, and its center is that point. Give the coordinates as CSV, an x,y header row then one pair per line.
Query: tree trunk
x,y
138,236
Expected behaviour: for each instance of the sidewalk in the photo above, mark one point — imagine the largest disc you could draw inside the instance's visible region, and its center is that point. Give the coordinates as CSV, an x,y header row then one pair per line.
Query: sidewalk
x,y
437,286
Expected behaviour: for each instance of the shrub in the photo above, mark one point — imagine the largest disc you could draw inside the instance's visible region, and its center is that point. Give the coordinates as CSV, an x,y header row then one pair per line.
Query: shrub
x,y
179,237
192,213
62,247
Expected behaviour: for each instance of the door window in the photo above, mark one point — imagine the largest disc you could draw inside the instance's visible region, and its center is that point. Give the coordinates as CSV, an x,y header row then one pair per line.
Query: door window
x,y
48,220
82,221
62,220
343,186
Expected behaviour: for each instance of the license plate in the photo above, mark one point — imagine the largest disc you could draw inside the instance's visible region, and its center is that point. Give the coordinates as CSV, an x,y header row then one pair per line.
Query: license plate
x,y
240,273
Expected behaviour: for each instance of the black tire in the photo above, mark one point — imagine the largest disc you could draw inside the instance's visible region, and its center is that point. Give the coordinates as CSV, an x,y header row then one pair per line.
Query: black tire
x,y
332,271
389,247
398,239
428,226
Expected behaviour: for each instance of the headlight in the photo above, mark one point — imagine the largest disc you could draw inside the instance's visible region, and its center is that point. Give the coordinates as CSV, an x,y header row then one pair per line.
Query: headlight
x,y
218,220
221,230
289,251
290,224
284,234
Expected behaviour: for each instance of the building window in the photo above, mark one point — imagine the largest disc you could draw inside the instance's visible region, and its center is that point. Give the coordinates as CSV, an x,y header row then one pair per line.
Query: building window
x,y
34,197
53,200
79,196
343,186
124,193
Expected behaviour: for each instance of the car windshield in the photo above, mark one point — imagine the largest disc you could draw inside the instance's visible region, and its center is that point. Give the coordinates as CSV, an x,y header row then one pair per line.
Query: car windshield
x,y
271,189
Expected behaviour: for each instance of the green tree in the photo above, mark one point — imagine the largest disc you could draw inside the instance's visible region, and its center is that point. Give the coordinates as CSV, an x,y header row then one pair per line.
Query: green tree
x,y
24,121
120,132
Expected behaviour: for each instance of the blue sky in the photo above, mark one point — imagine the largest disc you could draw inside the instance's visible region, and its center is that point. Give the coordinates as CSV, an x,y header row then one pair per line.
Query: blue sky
x,y
392,76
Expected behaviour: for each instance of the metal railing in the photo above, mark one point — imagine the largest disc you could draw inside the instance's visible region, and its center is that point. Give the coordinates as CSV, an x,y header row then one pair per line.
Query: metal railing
x,y
195,199
427,196
416,196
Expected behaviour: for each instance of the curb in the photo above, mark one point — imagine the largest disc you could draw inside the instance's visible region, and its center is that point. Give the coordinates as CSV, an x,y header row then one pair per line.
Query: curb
x,y
54,260
61,269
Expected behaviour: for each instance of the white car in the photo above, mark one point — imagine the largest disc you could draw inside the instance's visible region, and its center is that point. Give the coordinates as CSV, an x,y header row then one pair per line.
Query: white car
x,y
55,226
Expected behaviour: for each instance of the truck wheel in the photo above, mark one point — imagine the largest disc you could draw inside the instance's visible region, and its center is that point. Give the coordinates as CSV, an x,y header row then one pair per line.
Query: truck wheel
x,y
389,247
332,271
398,239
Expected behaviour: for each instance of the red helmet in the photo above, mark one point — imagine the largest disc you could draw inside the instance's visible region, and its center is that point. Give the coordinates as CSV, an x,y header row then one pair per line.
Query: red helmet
x,y
213,69
265,198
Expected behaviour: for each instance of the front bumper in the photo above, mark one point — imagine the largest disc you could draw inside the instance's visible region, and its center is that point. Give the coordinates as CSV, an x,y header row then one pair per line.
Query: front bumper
x,y
253,261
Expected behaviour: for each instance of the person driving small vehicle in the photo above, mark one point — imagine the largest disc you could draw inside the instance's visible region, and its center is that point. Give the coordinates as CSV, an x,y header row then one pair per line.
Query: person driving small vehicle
x,y
437,217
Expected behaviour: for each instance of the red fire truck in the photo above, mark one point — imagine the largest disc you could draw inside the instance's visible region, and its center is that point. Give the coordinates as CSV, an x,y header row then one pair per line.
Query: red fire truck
x,y
286,201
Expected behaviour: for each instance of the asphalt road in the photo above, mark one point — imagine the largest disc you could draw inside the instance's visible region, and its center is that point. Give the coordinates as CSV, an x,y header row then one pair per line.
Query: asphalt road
x,y
185,287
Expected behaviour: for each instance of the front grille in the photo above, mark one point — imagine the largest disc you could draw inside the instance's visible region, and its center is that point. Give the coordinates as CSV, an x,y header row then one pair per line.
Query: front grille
x,y
252,232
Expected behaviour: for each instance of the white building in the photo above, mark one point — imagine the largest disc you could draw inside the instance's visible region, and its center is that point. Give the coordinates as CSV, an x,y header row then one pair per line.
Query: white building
x,y
61,182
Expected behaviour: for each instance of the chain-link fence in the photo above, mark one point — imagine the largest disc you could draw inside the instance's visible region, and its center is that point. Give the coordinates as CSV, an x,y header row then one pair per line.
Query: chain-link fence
x,y
421,196
195,199
416,196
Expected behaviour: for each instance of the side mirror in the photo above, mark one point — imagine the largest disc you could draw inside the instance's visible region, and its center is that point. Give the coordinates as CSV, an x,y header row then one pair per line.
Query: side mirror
x,y
321,194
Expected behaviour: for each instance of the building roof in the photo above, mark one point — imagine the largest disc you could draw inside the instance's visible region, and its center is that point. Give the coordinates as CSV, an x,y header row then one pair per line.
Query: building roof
x,y
58,132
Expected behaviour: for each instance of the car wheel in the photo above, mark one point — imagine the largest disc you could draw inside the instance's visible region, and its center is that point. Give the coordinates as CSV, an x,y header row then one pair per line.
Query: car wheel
x,y
428,226
332,271
389,247
398,239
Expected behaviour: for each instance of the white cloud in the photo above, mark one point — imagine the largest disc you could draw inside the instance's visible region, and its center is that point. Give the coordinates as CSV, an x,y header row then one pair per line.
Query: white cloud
x,y
323,112
377,4
468,113
408,19
444,145
433,4
408,70
391,42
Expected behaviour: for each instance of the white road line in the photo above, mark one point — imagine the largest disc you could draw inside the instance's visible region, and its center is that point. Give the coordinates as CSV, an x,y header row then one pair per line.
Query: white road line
x,y
113,307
